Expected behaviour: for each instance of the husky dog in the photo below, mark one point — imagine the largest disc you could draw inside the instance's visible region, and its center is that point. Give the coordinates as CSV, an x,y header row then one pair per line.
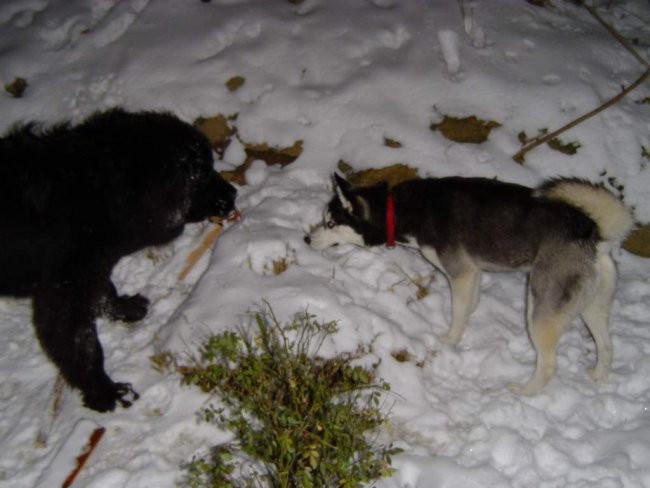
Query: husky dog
x,y
560,233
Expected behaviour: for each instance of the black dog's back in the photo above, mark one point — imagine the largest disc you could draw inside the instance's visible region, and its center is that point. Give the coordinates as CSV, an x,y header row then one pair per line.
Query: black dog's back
x,y
73,201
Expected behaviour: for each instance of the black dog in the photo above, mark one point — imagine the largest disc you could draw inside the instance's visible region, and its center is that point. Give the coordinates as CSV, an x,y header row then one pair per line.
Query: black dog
x,y
73,201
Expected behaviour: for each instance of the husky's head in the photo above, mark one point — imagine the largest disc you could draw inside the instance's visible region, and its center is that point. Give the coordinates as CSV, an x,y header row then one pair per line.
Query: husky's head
x,y
355,215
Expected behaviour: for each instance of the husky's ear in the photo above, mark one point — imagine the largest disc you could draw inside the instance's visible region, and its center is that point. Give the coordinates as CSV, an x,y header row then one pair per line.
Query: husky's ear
x,y
343,189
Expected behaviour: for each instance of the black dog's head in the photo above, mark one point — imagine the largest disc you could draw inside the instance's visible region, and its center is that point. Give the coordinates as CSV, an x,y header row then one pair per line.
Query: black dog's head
x,y
213,197
210,195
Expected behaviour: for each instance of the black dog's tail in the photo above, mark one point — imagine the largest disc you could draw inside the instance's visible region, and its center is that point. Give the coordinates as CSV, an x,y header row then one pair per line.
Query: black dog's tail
x,y
613,218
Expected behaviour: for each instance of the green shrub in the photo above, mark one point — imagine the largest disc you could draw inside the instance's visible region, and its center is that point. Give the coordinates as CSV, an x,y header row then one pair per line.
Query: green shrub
x,y
303,418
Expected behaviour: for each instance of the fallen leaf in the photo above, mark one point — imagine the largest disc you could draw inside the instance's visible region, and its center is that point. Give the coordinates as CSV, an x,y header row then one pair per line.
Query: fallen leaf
x,y
272,156
235,83
17,87
217,130
392,143
401,356
569,148
638,242
468,129
393,174
279,156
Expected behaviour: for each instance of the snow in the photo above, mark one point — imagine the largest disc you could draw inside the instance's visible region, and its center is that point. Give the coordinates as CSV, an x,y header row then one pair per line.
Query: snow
x,y
341,76
70,459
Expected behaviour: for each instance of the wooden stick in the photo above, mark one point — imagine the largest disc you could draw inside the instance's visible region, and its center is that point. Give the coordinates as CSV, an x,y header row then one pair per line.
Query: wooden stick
x,y
519,157
196,254
615,33
71,455
57,401
93,440
208,240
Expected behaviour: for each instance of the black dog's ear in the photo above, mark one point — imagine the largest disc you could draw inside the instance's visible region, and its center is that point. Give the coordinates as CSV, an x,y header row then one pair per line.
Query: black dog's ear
x,y
343,190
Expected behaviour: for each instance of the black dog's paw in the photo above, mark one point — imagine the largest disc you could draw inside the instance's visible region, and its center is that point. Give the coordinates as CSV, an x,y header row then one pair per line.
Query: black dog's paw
x,y
106,399
126,394
129,308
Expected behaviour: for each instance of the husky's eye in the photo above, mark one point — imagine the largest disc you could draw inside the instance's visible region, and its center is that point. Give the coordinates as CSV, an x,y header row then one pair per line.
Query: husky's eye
x,y
330,224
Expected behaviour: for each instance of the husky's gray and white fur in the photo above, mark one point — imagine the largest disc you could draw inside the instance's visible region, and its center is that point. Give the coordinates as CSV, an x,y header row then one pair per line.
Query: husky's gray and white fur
x,y
561,233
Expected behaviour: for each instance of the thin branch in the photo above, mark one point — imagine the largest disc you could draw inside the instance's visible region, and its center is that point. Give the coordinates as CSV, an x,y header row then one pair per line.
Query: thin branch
x,y
519,157
616,35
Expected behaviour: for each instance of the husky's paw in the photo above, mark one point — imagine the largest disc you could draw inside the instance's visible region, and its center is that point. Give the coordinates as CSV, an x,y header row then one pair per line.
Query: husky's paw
x,y
529,389
449,338
598,373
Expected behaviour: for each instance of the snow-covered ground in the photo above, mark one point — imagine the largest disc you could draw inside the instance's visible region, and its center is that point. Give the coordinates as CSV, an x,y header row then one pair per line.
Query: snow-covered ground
x,y
342,76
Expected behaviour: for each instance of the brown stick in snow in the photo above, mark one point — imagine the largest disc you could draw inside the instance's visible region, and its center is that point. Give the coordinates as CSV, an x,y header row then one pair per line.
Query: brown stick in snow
x,y
196,254
206,243
519,157
615,33
57,398
94,439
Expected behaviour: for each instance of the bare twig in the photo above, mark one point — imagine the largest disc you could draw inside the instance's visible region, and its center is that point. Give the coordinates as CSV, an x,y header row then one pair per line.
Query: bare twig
x,y
57,395
519,157
94,438
616,35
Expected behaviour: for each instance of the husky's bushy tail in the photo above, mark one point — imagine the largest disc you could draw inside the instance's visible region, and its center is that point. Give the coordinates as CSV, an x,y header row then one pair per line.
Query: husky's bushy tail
x,y
613,218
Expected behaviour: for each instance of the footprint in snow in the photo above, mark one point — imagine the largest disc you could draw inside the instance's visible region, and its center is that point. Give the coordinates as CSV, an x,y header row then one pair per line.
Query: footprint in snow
x,y
116,22
449,45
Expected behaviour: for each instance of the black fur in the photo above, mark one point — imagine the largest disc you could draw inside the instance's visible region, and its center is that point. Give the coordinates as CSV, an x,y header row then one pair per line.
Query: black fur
x,y
368,210
456,210
73,201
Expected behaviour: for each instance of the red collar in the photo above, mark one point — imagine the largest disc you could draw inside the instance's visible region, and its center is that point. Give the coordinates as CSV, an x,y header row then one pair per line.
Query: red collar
x,y
390,220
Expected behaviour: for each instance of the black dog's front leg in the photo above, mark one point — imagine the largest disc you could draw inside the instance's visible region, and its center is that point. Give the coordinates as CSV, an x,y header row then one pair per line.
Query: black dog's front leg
x,y
64,319
129,308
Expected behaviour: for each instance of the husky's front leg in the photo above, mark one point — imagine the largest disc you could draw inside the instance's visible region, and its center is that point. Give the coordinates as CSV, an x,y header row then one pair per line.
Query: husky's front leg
x,y
464,299
464,280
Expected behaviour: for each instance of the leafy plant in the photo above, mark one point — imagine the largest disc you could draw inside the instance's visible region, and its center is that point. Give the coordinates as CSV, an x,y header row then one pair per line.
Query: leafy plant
x,y
303,417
